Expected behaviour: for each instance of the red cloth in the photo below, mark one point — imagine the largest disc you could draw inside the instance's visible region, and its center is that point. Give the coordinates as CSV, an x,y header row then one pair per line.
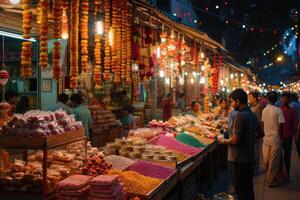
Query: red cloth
x,y
290,118
167,109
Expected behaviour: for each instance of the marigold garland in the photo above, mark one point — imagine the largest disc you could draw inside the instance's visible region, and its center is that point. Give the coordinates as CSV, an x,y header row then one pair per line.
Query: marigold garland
x,y
26,65
74,43
64,21
128,64
117,79
114,60
84,35
97,51
43,34
107,57
124,39
57,30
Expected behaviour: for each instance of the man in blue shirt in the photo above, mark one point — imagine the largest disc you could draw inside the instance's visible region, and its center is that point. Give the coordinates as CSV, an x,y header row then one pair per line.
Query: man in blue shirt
x,y
296,106
81,112
62,100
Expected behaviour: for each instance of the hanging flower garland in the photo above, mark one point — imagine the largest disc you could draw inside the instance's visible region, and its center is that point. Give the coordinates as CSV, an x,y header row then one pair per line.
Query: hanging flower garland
x,y
26,65
114,60
84,26
57,17
108,36
124,39
117,79
97,51
64,21
74,43
43,34
128,67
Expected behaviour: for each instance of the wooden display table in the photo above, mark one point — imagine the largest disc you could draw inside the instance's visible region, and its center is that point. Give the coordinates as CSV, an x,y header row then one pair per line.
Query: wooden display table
x,y
39,143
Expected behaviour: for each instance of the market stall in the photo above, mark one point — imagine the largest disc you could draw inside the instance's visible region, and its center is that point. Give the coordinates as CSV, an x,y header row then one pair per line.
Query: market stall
x,y
109,49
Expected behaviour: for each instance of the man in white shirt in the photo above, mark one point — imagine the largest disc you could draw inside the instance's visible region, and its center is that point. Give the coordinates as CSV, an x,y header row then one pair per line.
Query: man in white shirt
x,y
272,119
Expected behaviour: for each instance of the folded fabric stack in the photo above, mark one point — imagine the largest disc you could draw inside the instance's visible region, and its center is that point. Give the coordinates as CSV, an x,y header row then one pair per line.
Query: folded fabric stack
x,y
107,187
75,187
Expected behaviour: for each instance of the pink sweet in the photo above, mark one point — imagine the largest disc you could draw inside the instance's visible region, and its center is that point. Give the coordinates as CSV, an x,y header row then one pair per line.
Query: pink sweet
x,y
173,144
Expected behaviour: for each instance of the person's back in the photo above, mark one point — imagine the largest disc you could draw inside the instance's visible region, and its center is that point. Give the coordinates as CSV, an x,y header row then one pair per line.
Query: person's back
x,y
271,117
296,106
84,115
247,123
61,104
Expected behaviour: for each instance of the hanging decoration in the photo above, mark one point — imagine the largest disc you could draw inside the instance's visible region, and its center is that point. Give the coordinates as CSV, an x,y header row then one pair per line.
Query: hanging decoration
x,y
128,64
43,34
107,40
56,52
84,27
116,47
64,21
26,65
74,44
124,39
97,50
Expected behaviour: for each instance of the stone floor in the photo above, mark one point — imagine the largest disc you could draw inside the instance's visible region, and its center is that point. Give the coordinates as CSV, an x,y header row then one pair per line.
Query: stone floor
x,y
287,191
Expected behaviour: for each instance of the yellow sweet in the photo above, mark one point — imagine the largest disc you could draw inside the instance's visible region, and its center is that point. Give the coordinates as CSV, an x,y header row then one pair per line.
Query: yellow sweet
x,y
136,183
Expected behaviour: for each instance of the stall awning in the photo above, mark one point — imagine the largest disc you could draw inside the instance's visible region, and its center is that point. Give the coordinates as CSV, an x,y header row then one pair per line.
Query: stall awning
x,y
148,9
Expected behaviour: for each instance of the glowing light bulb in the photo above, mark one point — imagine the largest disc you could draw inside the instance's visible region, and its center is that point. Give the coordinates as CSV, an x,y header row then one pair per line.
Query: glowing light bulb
x,y
99,26
14,1
64,35
161,73
158,52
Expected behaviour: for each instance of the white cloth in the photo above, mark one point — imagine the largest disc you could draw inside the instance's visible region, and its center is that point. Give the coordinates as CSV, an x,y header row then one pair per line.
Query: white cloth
x,y
272,116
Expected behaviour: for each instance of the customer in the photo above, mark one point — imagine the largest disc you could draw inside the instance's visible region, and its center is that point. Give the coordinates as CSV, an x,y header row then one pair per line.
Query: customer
x,y
241,144
257,108
23,105
181,102
125,100
223,109
296,106
128,122
62,102
289,130
167,107
11,97
81,112
273,119
195,109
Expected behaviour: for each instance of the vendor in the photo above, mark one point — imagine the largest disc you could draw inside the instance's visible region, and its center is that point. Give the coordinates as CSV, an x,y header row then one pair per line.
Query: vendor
x,y
167,107
62,102
125,100
195,109
223,109
11,97
23,105
128,121
81,112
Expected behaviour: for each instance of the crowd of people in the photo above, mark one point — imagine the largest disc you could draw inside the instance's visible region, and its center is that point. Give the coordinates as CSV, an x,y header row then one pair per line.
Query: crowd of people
x,y
255,129
259,126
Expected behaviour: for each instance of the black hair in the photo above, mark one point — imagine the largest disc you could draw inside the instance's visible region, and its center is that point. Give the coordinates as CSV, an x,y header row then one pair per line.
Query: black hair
x,y
10,95
77,98
255,94
287,95
129,108
169,94
123,92
23,105
239,94
194,103
223,99
181,95
272,97
295,97
63,98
